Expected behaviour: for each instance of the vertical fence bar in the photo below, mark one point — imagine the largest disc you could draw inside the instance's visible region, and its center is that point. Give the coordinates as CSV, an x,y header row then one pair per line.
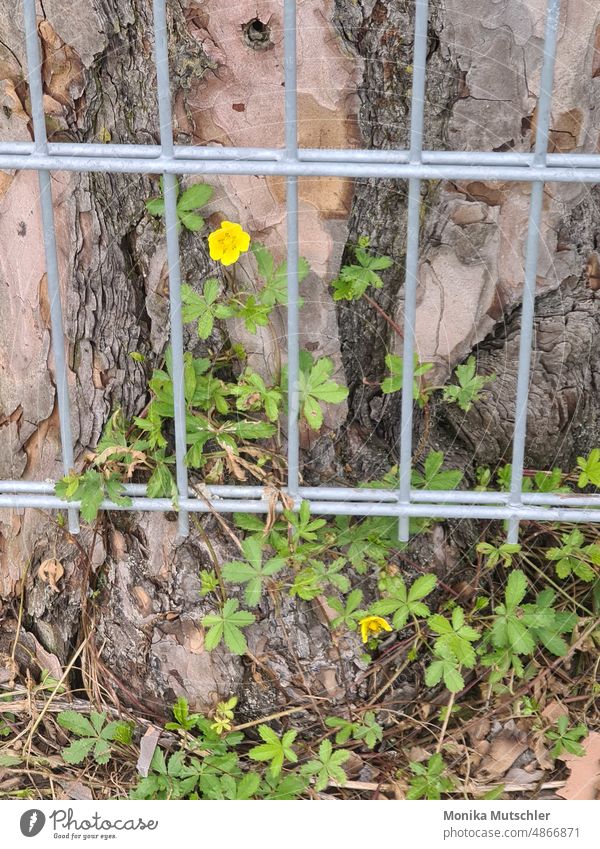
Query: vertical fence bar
x,y
291,153
531,261
161,54
417,112
34,66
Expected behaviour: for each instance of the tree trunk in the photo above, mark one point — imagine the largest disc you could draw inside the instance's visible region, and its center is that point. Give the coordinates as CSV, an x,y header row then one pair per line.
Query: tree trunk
x,y
128,588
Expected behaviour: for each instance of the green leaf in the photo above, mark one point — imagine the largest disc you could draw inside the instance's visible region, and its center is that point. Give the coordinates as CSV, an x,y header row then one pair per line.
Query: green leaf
x,y
264,260
316,386
247,786
10,760
227,626
590,469
469,386
161,483
156,206
516,588
422,587
393,383
313,413
191,220
197,195
214,635
78,750
275,750
205,324
76,723
453,679
434,477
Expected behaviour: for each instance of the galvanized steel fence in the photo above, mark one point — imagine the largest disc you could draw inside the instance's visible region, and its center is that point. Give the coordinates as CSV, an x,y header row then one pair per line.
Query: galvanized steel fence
x,y
413,165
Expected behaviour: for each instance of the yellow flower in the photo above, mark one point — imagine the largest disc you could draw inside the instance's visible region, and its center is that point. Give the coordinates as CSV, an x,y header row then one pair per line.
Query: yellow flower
x,y
228,242
370,626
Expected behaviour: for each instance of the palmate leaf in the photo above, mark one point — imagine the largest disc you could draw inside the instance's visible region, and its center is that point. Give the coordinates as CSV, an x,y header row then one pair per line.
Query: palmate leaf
x,y
275,750
227,626
403,603
434,477
275,290
95,735
469,387
454,637
354,280
589,469
316,386
328,766
254,572
393,383
444,666
191,199
201,308
91,488
349,613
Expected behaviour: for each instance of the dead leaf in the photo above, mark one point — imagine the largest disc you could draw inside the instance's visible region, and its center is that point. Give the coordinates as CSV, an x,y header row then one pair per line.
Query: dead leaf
x,y
8,669
584,780
148,745
418,755
505,748
553,710
51,571
76,790
542,754
522,778
478,729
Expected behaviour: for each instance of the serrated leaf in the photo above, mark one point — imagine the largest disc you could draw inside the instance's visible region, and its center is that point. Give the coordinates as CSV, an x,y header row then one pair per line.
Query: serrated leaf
x,y
214,635
76,723
78,750
195,196
516,587
422,587
156,206
191,220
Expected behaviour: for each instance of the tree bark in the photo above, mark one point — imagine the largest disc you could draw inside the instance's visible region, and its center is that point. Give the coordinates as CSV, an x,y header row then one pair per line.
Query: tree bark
x,y
128,589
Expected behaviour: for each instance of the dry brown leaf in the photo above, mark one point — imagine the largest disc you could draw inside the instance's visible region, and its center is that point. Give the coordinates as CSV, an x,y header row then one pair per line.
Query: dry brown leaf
x,y
8,669
76,790
522,778
479,729
584,780
542,754
505,748
418,755
51,571
553,710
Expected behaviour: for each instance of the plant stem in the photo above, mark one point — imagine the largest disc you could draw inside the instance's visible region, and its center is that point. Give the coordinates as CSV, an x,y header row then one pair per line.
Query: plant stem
x,y
446,721
395,327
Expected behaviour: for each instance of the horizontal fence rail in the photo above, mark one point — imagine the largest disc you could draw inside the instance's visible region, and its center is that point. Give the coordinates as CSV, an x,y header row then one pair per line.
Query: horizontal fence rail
x,y
412,165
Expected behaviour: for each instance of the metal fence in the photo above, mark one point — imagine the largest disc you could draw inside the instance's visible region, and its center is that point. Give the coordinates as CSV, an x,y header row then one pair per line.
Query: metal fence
x,y
413,165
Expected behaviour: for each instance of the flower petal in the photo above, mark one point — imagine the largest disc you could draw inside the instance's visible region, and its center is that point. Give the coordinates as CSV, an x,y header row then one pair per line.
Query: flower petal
x,y
230,255
215,245
243,241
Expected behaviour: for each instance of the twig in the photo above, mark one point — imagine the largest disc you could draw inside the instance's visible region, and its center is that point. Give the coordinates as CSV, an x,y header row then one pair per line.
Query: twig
x,y
44,710
20,617
270,717
446,721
